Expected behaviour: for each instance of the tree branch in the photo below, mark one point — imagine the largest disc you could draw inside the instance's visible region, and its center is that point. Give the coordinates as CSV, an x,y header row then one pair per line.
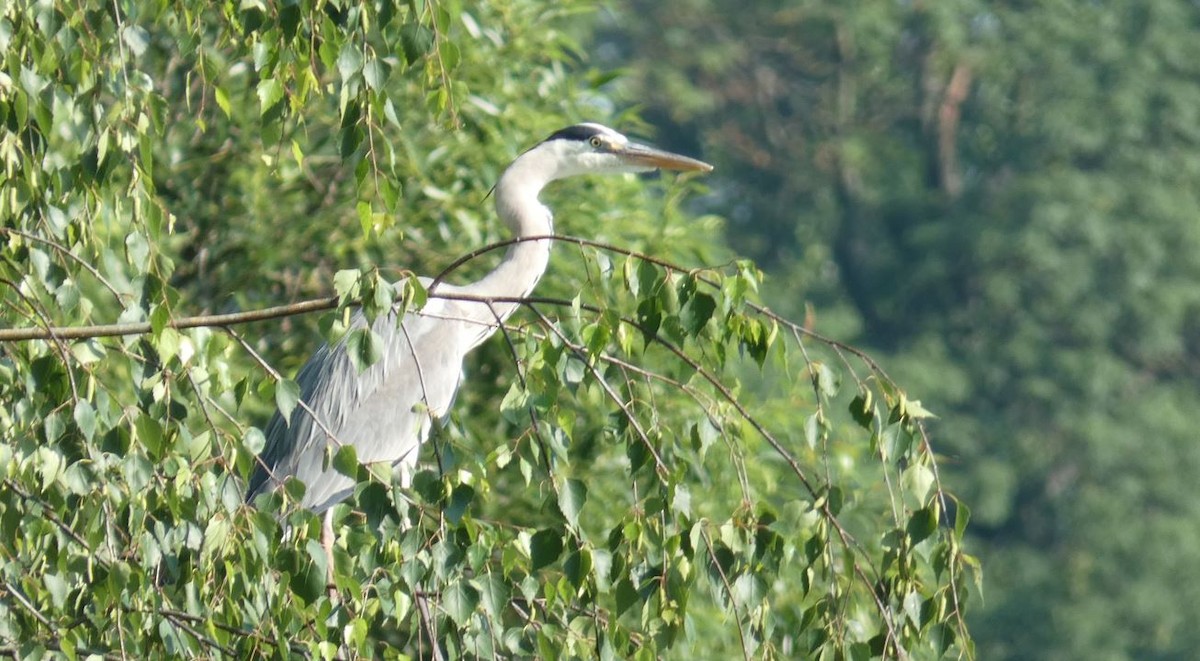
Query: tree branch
x,y
294,309
143,327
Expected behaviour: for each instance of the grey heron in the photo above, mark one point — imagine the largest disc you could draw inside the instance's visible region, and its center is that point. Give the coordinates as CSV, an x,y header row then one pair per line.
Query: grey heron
x,y
386,411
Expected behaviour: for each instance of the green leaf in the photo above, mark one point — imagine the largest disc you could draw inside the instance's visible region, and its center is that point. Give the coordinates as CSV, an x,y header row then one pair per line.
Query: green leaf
x,y
270,91
596,336
571,498
544,548
460,498
630,273
922,524
415,40
350,60
383,296
308,582
346,285
649,278
626,596
352,137
962,516
136,38
827,379
459,601
681,501
602,561
136,471
748,591
812,430
150,433
494,594
87,351
414,295
912,607
50,465
345,461
167,344
254,441
85,419
578,567
917,481
222,98
834,499
67,296
289,19
913,409
449,53
295,489
861,409
649,318
53,426
514,406
287,396
137,251
58,588
355,633
573,370
753,339
365,221
696,312
364,347
160,316
375,73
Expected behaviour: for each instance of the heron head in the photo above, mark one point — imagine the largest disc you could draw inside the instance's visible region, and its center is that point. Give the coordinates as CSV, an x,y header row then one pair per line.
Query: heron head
x,y
595,149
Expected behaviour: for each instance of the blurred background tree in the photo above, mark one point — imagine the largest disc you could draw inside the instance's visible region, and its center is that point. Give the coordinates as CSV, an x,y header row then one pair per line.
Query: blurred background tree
x,y
1002,197
617,480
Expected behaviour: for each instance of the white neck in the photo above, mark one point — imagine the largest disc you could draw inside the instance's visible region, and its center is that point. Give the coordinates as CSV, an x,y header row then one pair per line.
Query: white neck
x,y
518,206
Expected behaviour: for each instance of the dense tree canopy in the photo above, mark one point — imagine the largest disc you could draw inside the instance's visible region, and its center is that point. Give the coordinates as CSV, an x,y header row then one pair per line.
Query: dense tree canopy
x,y
645,462
1002,197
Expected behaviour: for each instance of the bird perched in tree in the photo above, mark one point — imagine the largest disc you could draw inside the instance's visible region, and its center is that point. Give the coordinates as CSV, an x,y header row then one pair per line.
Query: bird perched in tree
x,y
386,410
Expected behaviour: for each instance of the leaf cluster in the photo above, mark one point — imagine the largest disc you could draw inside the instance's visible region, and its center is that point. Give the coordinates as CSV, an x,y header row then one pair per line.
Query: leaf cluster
x,y
626,498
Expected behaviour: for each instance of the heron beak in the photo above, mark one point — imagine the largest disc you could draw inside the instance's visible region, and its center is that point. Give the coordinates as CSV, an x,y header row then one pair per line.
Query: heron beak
x,y
636,154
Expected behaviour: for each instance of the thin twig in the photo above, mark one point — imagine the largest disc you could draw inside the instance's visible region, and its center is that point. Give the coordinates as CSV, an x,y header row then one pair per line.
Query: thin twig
x,y
427,625
49,514
63,250
245,633
44,317
27,605
533,419
228,652
608,390
728,590
274,373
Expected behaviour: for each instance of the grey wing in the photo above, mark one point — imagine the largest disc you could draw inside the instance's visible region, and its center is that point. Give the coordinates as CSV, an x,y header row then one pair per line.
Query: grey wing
x,y
385,411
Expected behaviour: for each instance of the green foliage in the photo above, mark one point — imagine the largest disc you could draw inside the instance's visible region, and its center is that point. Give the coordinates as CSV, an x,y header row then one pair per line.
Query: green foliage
x,y
626,498
1002,197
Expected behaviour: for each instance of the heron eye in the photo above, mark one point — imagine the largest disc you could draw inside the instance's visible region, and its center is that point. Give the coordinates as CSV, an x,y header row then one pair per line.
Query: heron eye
x,y
595,141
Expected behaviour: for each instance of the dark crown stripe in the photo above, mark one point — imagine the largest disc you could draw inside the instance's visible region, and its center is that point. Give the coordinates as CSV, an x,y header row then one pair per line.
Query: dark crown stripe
x,y
579,132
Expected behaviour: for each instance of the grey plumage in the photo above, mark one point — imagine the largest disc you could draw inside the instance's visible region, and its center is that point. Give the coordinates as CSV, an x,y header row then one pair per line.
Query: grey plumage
x,y
385,411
